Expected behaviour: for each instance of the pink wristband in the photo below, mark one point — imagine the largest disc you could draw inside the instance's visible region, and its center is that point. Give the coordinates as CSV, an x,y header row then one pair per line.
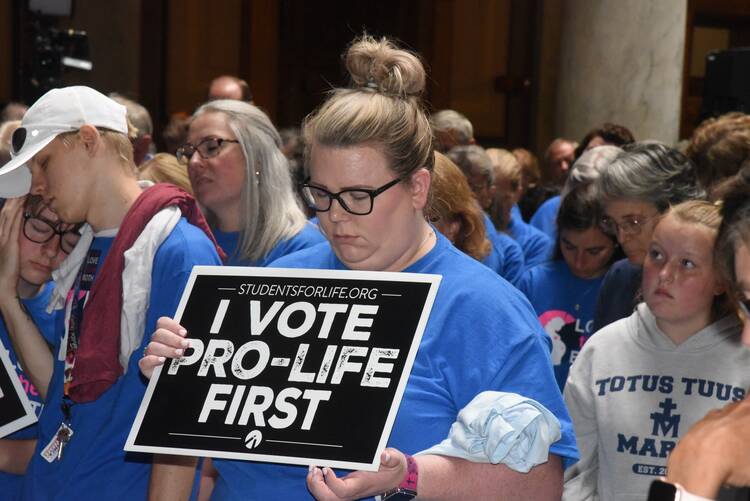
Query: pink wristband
x,y
412,474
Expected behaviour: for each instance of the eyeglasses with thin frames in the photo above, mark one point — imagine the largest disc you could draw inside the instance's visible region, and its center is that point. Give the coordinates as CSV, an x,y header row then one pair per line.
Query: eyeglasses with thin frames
x,y
630,225
207,148
357,201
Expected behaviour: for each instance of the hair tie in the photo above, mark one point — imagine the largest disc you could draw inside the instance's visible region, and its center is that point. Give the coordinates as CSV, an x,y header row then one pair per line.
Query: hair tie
x,y
371,84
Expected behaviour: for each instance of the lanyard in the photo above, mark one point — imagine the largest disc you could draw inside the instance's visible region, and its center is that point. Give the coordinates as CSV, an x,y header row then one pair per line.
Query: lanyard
x,y
80,291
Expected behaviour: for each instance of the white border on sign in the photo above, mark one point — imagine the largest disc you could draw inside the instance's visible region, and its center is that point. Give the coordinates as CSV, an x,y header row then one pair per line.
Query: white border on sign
x,y
383,276
30,416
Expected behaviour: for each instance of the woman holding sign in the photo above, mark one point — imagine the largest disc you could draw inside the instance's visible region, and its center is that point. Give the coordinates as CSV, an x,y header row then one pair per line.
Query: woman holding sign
x,y
369,155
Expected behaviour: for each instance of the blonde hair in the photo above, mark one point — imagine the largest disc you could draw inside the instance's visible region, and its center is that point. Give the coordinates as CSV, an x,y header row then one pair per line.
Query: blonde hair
x,y
117,142
506,165
164,168
383,108
698,212
529,166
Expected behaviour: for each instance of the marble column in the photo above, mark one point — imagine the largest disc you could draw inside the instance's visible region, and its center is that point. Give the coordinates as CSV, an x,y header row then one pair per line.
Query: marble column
x,y
621,61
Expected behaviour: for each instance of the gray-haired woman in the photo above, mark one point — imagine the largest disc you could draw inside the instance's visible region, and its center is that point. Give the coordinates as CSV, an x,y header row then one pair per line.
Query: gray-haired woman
x,y
635,189
241,178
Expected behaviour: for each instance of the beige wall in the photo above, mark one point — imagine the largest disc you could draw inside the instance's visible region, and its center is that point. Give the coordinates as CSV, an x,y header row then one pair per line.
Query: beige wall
x,y
621,61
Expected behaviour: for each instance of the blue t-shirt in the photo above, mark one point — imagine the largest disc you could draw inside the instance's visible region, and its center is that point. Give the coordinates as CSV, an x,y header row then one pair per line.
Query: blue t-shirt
x,y
93,464
537,247
565,306
482,334
545,217
619,293
308,236
36,306
515,212
506,257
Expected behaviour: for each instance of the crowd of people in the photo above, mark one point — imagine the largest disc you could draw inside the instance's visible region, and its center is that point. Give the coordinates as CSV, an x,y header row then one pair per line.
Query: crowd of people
x,y
608,283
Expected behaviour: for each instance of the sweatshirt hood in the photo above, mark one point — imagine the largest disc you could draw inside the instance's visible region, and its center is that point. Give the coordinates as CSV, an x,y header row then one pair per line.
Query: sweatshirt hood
x,y
648,333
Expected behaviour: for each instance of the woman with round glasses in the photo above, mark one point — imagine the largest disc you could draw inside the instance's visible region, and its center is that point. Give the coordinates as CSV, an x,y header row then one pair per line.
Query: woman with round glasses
x,y
635,189
241,178
369,155
33,242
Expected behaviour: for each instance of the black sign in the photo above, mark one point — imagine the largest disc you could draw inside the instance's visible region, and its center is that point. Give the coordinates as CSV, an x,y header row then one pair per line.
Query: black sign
x,y
289,366
15,409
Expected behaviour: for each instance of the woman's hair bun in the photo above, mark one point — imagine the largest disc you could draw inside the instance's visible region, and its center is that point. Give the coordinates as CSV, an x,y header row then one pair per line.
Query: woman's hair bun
x,y
381,66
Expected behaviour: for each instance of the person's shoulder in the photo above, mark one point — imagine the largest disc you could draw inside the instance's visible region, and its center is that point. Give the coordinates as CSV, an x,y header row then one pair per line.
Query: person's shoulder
x,y
514,260
623,267
537,235
548,270
505,241
309,234
319,256
187,243
451,261
539,281
551,204
611,335
467,280
621,278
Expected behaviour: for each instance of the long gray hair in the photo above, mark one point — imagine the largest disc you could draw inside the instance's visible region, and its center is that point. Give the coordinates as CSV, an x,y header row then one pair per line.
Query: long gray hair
x,y
269,211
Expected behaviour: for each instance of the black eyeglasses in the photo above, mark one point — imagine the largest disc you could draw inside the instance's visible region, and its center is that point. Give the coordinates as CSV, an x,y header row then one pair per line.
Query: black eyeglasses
x,y
41,231
355,201
207,148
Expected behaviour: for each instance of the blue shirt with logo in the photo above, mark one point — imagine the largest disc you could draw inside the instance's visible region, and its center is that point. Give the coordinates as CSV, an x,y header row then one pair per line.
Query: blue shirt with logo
x,y
482,334
565,306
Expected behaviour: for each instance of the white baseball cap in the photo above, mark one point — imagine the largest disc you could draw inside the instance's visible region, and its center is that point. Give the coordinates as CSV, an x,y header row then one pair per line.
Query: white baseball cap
x,y
56,112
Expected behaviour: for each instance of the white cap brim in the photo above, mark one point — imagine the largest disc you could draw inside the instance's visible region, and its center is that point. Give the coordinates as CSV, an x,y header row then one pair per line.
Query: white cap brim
x,y
15,176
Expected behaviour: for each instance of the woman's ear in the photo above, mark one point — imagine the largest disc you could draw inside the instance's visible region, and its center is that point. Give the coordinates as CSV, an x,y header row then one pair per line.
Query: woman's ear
x,y
420,187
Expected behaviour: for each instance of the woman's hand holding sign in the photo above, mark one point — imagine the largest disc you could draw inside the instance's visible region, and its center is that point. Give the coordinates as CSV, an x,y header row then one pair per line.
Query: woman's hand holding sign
x,y
167,341
326,486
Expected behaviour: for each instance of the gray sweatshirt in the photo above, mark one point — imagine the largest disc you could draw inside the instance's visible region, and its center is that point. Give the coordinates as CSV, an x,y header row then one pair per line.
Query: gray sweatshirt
x,y
632,394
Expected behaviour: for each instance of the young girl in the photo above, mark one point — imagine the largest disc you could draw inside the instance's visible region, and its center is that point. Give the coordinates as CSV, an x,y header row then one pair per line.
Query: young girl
x,y
641,382
714,451
563,291
33,242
